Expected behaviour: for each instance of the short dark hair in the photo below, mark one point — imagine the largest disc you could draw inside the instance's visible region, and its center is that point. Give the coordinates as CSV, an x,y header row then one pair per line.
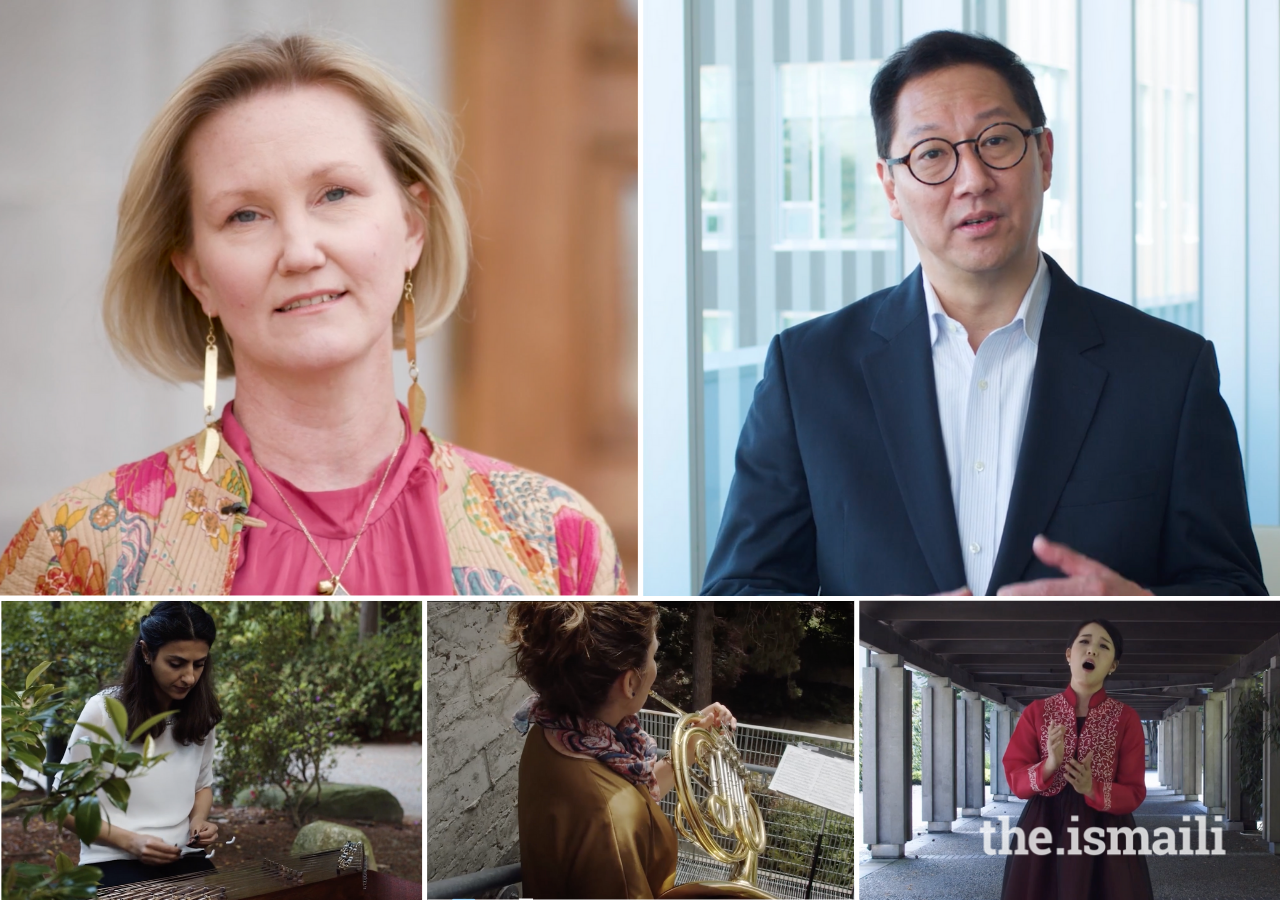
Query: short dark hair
x,y
1117,639
939,50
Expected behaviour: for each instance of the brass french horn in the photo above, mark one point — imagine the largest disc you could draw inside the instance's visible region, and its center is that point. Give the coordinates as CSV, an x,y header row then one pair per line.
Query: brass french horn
x,y
709,759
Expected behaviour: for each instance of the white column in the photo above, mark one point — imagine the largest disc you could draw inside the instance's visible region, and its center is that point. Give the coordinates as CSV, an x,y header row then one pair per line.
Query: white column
x,y
1162,758
1214,795
1224,238
1190,761
1002,731
886,755
1262,440
1106,147
1175,758
1231,761
938,754
1271,761
669,377
972,796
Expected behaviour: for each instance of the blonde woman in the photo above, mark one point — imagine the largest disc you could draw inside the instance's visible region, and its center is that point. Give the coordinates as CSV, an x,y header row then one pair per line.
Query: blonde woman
x,y
289,218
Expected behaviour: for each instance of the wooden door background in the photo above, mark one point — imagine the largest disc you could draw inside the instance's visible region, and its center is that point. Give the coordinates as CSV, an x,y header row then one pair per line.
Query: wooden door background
x,y
545,360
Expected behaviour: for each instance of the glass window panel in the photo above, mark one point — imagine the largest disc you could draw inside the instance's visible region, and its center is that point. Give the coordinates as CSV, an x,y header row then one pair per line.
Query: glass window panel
x,y
1167,227
1043,33
831,196
714,133
794,220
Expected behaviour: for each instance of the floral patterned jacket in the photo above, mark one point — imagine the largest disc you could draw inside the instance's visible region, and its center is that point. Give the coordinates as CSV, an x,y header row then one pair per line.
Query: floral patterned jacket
x,y
158,526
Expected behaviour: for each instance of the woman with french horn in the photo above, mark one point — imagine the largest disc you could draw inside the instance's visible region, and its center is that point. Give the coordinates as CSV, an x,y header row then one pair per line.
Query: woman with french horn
x,y
590,777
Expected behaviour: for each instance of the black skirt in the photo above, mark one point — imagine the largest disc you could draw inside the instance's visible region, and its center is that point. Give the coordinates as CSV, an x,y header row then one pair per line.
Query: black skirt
x,y
1084,877
131,871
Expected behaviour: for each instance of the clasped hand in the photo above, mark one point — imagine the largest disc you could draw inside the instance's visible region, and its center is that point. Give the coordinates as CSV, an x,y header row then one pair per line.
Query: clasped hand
x,y
1078,772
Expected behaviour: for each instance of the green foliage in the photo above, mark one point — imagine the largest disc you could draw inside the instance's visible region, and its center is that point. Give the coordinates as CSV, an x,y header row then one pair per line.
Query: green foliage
x,y
282,735
767,638
793,833
1247,726
918,682
85,641
383,673
24,715
298,682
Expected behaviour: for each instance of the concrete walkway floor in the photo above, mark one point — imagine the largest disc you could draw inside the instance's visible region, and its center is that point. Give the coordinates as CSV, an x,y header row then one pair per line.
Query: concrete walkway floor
x,y
954,867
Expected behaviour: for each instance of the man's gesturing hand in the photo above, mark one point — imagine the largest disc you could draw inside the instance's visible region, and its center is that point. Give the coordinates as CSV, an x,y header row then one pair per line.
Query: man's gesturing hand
x,y
1085,576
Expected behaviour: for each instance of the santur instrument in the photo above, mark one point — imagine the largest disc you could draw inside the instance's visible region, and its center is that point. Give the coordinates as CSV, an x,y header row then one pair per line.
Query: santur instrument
x,y
338,874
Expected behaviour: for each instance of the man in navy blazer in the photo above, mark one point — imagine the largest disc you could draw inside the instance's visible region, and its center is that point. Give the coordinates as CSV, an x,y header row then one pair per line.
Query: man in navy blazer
x,y
876,460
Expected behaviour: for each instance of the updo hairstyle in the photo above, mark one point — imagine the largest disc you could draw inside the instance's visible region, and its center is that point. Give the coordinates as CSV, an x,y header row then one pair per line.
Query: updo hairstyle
x,y
572,652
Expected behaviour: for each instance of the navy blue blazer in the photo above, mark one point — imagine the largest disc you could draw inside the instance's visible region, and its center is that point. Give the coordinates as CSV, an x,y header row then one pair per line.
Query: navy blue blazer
x,y
1129,455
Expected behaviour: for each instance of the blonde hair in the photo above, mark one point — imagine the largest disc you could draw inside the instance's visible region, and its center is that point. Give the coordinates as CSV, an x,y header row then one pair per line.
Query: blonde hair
x,y
152,318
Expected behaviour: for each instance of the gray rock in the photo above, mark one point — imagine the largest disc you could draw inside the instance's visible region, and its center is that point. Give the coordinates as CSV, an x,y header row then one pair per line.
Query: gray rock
x,y
321,835
341,801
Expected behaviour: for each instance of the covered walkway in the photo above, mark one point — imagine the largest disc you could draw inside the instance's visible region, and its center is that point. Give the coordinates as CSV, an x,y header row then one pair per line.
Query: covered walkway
x,y
978,664
953,865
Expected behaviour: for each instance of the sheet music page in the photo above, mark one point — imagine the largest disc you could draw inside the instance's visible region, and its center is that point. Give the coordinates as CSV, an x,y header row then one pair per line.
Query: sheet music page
x,y
826,781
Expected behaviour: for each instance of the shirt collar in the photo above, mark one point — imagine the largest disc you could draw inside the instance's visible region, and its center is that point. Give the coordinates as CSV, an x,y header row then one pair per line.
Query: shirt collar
x,y
1093,701
1030,312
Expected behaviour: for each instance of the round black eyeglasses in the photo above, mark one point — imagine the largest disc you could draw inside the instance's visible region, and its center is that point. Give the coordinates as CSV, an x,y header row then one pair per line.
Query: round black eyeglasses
x,y
934,160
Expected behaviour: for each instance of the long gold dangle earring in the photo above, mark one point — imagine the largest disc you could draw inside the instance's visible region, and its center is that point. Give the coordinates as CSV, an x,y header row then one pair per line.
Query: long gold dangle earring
x,y
417,399
207,442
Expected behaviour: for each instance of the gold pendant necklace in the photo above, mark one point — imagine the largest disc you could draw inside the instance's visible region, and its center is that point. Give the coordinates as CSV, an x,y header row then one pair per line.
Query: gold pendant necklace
x,y
333,584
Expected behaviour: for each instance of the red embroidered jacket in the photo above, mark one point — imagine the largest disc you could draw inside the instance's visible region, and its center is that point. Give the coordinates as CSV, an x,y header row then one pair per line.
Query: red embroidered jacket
x,y
1111,730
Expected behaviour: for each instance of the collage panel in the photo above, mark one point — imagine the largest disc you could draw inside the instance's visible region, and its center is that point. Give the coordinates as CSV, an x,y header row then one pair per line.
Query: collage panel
x,y
319,297
951,298
212,748
673,748
1071,748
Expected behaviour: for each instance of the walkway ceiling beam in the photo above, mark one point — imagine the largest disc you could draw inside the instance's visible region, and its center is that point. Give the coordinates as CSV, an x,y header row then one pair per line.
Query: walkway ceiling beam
x,y
1255,662
1059,630
884,639
1068,611
1152,683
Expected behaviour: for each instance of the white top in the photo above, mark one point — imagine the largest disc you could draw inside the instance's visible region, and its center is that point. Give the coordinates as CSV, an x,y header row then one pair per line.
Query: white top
x,y
982,407
160,798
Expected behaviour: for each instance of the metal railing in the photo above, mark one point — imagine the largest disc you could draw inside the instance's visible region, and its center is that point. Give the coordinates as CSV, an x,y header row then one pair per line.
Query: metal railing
x,y
474,883
793,826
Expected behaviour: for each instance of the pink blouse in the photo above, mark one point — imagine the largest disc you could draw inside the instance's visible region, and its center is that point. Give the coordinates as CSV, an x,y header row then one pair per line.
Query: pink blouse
x,y
404,549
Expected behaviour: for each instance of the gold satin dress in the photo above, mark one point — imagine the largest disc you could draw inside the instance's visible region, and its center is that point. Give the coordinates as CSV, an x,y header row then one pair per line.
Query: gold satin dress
x,y
585,831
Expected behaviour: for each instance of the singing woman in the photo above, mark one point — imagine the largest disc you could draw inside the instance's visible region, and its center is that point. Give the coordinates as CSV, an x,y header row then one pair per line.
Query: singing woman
x,y
169,666
590,777
291,217
1078,758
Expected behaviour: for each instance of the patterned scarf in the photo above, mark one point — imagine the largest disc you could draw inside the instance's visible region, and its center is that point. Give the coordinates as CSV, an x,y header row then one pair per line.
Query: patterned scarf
x,y
627,749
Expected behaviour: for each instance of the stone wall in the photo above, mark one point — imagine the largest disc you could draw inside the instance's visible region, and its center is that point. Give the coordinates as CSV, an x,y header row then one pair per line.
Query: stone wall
x,y
473,752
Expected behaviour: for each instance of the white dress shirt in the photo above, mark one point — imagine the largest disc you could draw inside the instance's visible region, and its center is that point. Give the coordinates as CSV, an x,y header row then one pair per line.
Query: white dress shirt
x,y
982,407
160,798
